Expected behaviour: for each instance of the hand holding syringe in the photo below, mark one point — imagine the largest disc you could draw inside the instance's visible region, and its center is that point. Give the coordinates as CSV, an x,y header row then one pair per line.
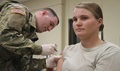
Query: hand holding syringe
x,y
51,58
48,49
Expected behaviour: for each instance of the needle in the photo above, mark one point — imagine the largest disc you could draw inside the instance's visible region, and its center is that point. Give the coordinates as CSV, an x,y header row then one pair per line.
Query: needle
x,y
55,49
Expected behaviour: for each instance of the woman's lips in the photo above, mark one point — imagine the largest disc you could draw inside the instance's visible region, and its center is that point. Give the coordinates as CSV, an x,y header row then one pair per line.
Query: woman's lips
x,y
79,29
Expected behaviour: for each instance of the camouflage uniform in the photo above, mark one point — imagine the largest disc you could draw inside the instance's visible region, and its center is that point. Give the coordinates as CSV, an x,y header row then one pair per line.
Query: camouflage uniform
x,y
17,37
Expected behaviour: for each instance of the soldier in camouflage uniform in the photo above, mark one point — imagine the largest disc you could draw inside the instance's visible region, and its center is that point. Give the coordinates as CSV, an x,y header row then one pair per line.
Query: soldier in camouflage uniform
x,y
18,29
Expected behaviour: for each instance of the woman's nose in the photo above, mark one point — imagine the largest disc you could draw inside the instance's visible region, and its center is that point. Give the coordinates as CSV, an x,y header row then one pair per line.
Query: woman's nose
x,y
78,22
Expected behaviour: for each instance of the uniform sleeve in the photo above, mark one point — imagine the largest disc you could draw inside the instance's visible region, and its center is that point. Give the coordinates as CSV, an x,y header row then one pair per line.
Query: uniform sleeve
x,y
16,43
37,64
11,38
26,63
14,17
109,61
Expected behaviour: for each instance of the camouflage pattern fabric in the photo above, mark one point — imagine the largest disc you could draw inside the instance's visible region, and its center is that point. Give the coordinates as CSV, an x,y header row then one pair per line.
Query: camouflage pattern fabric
x,y
17,37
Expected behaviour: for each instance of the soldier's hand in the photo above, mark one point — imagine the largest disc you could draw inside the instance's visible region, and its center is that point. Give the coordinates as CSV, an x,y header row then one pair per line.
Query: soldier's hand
x,y
48,49
52,60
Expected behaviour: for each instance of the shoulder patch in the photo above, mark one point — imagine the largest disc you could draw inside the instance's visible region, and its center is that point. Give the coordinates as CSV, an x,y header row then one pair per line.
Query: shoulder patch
x,y
18,11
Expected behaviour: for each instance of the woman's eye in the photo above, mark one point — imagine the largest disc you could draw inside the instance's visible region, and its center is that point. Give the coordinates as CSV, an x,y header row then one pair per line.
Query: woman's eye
x,y
84,18
74,19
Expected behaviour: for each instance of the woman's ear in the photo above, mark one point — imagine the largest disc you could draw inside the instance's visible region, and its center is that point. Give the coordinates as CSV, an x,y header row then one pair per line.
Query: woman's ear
x,y
100,24
100,21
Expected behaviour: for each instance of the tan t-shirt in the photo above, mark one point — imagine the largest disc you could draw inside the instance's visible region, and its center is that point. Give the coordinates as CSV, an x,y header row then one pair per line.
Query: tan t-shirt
x,y
105,57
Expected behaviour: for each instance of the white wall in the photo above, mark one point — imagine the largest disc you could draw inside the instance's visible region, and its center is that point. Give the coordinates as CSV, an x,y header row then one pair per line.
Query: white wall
x,y
64,9
111,11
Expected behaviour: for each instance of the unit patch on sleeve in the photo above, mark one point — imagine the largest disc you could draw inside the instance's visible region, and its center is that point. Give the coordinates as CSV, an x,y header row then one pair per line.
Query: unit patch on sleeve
x,y
18,11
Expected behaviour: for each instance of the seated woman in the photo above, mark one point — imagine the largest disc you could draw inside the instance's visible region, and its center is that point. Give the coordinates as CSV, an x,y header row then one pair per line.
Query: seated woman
x,y
92,53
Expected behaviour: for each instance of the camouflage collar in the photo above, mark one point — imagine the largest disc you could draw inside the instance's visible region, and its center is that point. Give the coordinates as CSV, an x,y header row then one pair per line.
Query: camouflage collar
x,y
33,22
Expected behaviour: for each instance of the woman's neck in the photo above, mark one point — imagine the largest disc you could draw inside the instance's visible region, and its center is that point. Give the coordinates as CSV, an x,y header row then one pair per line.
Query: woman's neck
x,y
91,42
